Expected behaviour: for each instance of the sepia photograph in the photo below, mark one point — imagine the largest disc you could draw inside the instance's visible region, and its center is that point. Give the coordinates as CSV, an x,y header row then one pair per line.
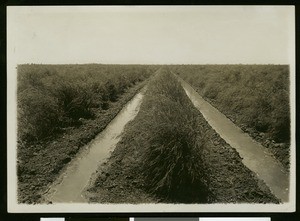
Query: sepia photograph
x,y
151,109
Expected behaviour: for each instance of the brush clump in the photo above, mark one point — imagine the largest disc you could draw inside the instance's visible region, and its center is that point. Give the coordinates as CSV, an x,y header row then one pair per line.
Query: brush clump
x,y
173,141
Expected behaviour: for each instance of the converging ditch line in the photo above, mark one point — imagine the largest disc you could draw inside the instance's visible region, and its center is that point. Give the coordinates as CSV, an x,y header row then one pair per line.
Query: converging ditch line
x,y
70,185
254,155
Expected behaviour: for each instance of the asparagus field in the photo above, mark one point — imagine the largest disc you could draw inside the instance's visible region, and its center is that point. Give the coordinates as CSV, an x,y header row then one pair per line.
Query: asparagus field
x,y
166,151
170,154
60,109
255,97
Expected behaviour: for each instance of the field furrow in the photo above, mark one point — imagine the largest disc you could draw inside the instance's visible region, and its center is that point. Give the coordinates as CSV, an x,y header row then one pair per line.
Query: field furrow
x,y
254,156
169,153
170,144
254,97
41,156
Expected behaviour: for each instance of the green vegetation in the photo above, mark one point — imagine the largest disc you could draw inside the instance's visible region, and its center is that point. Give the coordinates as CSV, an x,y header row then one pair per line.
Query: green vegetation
x,y
256,97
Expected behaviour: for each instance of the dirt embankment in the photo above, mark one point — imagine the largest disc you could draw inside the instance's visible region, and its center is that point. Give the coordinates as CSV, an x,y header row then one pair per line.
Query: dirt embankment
x,y
254,97
281,151
40,164
120,179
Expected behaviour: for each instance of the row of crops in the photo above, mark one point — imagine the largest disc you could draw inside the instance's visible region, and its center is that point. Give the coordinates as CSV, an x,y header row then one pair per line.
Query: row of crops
x,y
172,141
255,97
169,153
52,97
60,109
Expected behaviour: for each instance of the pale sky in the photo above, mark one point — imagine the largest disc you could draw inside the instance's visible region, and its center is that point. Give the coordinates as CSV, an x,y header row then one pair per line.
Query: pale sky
x,y
162,35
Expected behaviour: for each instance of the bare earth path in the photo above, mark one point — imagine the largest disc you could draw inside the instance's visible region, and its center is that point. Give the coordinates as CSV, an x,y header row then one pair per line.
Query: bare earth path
x,y
71,184
254,155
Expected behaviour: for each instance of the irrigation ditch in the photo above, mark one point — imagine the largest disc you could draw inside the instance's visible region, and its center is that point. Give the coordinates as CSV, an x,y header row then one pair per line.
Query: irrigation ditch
x,y
41,164
256,157
161,144
73,180
167,156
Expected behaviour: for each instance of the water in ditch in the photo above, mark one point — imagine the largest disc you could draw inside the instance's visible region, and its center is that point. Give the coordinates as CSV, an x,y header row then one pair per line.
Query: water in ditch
x,y
74,179
255,156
